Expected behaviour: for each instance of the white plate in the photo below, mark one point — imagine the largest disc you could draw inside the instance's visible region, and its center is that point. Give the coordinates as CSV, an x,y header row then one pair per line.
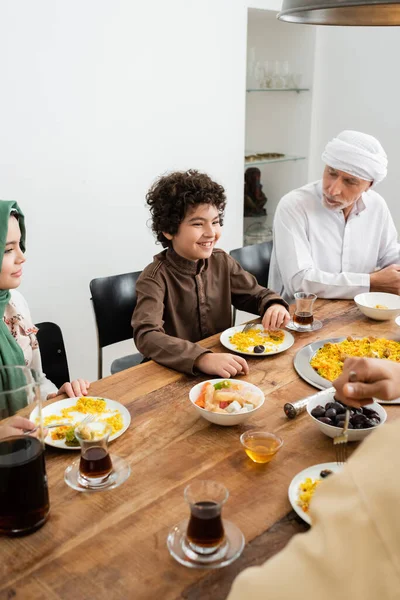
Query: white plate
x,y
397,321
225,335
56,407
312,472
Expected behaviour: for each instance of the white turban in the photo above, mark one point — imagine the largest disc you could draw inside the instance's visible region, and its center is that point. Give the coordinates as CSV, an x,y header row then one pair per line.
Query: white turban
x,y
358,154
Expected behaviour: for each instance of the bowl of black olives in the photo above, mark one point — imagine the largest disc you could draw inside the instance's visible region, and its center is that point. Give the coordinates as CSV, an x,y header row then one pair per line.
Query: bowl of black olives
x,y
329,415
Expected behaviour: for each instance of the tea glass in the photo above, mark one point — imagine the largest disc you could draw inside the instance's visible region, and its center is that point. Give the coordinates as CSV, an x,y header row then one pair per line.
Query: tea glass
x,y
95,466
24,496
205,540
303,318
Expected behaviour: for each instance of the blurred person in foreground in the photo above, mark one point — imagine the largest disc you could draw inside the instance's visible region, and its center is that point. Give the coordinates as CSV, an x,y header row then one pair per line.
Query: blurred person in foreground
x,y
353,548
335,237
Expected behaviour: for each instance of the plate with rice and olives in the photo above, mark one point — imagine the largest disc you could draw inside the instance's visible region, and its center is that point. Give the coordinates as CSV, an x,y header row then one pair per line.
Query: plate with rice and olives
x,y
321,362
257,341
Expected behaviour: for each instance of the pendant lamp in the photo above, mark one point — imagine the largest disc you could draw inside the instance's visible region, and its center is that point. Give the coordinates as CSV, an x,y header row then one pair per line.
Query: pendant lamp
x,y
341,12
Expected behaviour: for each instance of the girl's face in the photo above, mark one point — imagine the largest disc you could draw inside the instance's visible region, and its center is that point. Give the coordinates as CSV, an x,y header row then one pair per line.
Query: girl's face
x,y
13,259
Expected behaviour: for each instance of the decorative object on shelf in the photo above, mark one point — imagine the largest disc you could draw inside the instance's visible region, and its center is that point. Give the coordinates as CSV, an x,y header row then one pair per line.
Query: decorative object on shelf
x,y
254,197
256,230
341,12
262,156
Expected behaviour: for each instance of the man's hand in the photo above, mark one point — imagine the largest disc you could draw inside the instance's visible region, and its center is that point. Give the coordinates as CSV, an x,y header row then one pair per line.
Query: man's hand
x,y
78,387
386,280
276,316
222,364
375,377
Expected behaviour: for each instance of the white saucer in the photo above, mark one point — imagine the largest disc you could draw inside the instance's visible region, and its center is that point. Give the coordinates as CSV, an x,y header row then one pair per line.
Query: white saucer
x,y
230,551
314,327
120,473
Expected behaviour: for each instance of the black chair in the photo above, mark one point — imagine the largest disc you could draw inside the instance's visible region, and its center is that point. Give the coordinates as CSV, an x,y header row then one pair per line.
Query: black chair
x,y
52,352
114,299
256,260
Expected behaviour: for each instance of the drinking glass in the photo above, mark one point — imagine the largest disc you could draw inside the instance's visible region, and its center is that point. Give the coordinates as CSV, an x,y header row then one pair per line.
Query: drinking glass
x,y
303,314
24,496
205,540
205,533
95,466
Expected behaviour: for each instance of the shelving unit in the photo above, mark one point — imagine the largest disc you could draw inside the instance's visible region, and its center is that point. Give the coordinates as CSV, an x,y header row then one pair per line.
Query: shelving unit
x,y
298,90
266,161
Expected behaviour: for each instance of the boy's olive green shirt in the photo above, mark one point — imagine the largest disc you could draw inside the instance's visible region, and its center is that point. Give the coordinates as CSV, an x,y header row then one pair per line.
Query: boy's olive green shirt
x,y
180,302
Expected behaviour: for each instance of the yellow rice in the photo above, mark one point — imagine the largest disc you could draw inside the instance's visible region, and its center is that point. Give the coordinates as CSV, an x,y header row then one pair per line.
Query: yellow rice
x,y
328,360
306,492
85,405
245,342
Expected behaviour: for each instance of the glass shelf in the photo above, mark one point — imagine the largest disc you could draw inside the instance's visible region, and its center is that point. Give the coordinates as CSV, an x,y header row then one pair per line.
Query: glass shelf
x,y
266,161
298,90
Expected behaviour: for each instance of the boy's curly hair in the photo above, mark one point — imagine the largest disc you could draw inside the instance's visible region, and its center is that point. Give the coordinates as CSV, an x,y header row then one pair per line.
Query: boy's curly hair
x,y
170,197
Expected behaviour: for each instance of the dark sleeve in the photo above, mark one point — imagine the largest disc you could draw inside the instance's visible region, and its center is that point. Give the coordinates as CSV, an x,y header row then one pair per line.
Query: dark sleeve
x,y
247,294
148,332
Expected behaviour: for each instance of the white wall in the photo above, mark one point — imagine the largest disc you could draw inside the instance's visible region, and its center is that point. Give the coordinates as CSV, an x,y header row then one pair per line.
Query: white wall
x,y
357,86
98,98
280,121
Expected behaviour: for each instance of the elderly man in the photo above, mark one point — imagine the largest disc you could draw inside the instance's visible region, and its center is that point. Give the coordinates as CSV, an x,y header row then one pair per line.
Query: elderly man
x,y
336,238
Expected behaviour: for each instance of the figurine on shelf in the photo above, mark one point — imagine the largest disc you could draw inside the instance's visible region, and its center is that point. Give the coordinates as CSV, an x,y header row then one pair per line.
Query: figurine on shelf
x,y
254,197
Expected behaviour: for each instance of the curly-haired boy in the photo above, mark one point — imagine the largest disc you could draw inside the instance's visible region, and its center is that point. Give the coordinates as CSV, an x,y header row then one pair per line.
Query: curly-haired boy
x,y
186,293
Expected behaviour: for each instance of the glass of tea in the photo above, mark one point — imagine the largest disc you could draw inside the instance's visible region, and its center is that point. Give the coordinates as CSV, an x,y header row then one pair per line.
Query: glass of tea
x,y
260,446
303,314
205,533
95,466
24,496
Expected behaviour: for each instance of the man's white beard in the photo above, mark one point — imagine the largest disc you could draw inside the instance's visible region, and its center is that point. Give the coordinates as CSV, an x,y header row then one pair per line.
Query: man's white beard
x,y
337,207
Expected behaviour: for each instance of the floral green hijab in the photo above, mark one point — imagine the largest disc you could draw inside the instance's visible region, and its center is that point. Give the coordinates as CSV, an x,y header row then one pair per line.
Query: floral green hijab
x,y
10,351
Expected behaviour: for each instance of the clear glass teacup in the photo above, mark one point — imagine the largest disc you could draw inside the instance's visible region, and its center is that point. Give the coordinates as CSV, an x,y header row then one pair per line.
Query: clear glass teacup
x,y
303,315
95,465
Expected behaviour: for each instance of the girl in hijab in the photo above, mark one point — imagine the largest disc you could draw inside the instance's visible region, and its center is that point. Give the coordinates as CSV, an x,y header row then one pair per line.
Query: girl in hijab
x,y
18,343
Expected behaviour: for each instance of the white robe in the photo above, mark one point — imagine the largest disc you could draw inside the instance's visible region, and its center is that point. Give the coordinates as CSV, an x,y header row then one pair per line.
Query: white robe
x,y
317,251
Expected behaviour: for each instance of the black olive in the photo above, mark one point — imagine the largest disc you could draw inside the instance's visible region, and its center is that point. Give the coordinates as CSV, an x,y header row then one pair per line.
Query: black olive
x,y
329,405
375,421
326,420
318,411
330,413
359,420
325,473
259,349
339,408
369,412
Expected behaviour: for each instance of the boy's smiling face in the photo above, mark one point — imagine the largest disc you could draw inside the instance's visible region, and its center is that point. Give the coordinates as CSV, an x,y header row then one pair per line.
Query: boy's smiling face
x,y
198,233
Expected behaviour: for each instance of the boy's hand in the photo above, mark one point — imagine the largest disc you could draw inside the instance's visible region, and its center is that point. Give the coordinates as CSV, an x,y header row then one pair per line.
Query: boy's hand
x,y
222,364
275,317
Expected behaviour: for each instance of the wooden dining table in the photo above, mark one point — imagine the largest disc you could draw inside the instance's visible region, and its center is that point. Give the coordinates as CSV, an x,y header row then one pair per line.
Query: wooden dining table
x,y
112,544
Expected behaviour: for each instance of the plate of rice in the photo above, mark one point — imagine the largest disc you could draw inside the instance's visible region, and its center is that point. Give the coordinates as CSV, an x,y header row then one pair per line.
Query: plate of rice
x,y
73,411
321,362
257,341
303,486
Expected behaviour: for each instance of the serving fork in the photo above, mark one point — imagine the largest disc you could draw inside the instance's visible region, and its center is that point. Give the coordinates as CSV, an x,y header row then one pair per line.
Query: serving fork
x,y
249,326
340,441
88,419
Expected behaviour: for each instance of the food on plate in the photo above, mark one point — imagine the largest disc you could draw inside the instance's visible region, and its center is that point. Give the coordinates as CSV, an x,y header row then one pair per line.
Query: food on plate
x,y
334,413
328,360
259,341
83,406
307,489
381,306
70,439
227,397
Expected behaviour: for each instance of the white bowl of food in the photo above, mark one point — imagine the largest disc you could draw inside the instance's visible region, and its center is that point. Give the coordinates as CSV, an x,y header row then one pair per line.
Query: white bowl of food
x,y
362,421
378,305
226,401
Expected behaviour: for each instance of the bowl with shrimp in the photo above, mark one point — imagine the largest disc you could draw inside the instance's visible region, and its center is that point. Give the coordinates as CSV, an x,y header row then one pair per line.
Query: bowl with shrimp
x,y
226,401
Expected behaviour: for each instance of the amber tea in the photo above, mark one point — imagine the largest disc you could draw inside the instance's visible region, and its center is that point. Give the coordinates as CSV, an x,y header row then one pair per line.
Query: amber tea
x,y
95,462
260,446
205,527
303,318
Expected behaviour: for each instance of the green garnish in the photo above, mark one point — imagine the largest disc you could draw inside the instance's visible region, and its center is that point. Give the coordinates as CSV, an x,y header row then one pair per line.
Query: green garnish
x,y
222,384
70,439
